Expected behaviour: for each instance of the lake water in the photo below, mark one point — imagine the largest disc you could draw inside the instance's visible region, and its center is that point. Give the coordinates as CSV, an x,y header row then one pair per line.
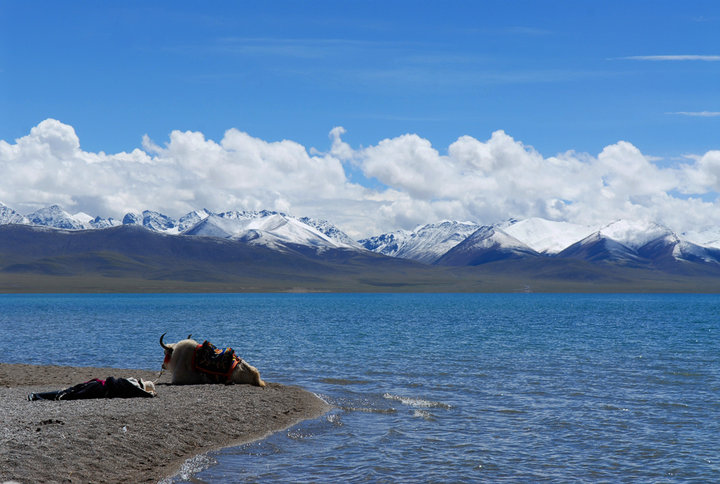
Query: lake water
x,y
431,387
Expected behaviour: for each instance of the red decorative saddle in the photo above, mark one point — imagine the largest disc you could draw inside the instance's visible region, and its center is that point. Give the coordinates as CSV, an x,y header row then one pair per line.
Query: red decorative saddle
x,y
215,362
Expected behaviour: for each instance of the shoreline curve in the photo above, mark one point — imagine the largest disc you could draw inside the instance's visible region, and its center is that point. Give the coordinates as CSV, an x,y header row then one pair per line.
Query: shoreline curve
x,y
135,439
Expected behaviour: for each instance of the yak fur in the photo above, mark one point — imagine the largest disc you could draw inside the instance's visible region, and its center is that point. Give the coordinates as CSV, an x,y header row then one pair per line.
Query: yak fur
x,y
180,363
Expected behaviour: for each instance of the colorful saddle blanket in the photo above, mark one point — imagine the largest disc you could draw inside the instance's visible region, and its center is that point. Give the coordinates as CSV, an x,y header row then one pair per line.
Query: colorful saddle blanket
x,y
216,363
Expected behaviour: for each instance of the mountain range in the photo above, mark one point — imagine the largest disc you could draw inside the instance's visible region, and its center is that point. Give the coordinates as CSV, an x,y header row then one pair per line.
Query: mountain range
x,y
263,227
620,254
622,241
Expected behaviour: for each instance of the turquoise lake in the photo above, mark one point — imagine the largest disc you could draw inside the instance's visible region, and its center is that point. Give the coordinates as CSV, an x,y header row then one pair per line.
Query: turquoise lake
x,y
430,387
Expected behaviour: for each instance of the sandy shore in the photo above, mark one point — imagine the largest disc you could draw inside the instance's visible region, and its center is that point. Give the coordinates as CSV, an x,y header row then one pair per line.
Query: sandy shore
x,y
130,440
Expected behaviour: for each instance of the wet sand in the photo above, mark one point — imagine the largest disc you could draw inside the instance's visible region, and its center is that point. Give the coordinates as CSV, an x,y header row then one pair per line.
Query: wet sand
x,y
135,439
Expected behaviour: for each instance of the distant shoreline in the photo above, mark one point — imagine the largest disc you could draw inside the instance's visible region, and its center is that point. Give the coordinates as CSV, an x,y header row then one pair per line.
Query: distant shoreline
x,y
466,281
131,440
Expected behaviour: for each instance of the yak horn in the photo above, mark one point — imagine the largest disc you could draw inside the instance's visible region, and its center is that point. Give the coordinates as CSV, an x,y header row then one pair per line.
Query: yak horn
x,y
165,347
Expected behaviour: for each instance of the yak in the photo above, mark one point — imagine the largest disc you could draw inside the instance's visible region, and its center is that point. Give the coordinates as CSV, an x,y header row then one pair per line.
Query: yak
x,y
180,359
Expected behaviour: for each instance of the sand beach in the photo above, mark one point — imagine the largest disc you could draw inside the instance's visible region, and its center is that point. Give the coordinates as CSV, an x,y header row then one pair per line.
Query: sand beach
x,y
134,439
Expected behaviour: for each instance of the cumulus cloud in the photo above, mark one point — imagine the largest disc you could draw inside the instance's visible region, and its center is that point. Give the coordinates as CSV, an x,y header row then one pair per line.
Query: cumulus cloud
x,y
188,172
703,174
483,181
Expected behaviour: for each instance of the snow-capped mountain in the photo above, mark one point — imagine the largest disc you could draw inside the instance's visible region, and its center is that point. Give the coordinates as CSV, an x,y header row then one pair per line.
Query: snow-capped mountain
x,y
10,216
637,243
597,247
487,244
427,243
271,229
705,238
331,231
193,218
154,221
388,244
215,225
55,217
634,234
684,250
158,222
622,242
670,247
261,227
276,230
104,223
547,236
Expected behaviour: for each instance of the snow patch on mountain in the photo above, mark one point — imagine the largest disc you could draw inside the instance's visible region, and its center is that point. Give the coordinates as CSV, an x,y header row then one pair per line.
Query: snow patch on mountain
x,y
706,238
684,250
84,219
132,219
597,247
426,243
547,236
160,223
217,226
104,223
331,231
272,229
10,216
489,237
634,234
487,244
191,219
276,231
387,244
54,216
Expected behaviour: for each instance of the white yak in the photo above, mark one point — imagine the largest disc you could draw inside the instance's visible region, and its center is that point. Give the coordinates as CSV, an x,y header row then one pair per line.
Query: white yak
x,y
180,360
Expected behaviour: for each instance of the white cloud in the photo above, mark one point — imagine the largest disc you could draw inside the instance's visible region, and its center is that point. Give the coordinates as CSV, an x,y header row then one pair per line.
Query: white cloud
x,y
702,114
483,181
189,172
703,174
707,58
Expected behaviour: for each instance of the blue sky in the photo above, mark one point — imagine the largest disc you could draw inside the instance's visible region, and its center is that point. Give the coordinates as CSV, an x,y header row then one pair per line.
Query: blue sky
x,y
554,76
